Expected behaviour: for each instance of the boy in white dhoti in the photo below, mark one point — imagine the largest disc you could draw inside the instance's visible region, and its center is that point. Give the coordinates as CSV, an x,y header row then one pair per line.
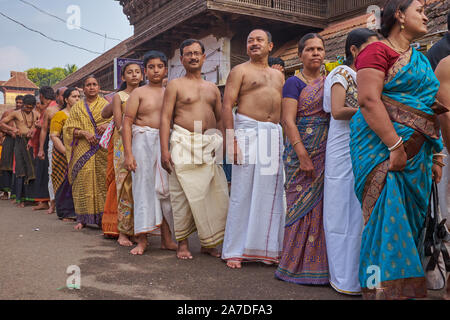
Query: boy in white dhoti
x,y
140,134
198,186
255,222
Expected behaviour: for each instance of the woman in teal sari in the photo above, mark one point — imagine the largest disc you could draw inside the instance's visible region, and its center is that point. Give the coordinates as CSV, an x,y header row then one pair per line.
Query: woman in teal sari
x,y
395,145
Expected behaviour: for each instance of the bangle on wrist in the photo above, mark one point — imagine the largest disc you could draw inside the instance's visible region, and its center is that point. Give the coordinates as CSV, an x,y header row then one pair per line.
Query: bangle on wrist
x,y
397,145
440,164
440,155
296,143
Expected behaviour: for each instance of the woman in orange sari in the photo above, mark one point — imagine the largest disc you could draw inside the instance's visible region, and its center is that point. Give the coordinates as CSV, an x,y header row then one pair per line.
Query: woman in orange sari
x,y
118,217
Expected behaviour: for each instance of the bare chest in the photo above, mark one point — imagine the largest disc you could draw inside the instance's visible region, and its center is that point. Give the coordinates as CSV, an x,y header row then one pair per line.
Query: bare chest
x,y
192,95
150,104
263,81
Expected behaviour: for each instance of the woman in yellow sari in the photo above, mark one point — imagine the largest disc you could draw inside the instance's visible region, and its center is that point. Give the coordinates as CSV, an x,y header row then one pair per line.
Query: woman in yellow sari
x,y
63,191
87,161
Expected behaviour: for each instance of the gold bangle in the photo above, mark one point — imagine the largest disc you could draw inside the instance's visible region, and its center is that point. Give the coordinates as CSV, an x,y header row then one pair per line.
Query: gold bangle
x,y
296,143
440,164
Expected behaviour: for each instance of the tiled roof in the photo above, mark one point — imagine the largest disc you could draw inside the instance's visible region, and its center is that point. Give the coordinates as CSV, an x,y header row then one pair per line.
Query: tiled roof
x,y
19,80
95,65
336,34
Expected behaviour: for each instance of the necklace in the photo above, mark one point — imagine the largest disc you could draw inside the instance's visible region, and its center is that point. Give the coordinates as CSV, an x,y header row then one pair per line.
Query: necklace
x,y
396,49
26,121
307,81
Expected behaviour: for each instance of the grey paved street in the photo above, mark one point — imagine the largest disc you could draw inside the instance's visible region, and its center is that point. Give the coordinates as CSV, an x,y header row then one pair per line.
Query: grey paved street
x,y
37,248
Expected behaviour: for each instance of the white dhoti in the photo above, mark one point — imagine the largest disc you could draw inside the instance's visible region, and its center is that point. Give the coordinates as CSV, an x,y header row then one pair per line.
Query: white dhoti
x,y
198,187
342,217
150,182
51,192
256,216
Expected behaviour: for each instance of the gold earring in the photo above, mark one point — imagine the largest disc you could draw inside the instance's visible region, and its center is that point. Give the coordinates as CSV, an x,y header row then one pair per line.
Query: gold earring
x,y
402,27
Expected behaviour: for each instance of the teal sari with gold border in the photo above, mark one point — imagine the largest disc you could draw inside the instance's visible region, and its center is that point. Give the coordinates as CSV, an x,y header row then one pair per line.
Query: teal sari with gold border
x,y
395,203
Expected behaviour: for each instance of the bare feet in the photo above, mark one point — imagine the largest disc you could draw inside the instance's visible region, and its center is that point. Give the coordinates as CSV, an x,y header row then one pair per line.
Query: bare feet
x,y
168,244
213,252
41,206
234,264
69,220
124,240
141,246
166,237
21,205
52,207
79,226
183,252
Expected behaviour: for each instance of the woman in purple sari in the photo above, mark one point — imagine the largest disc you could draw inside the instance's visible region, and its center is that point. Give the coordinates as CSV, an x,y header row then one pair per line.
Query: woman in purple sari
x,y
304,257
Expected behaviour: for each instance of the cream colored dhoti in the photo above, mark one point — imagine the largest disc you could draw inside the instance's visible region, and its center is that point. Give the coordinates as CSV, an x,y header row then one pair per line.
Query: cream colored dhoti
x,y
198,187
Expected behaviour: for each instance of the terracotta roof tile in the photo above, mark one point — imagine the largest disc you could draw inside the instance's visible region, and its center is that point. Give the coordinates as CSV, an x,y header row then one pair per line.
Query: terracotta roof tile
x,y
96,64
20,80
336,34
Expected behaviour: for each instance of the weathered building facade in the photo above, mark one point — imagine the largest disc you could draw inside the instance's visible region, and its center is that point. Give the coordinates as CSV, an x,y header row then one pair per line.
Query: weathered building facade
x,y
224,25
18,84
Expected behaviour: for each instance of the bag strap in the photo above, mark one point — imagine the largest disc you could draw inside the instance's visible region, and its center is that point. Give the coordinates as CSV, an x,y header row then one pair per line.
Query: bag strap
x,y
435,235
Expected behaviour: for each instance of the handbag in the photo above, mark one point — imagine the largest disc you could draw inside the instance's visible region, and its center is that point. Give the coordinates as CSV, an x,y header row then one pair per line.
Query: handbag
x,y
104,141
434,253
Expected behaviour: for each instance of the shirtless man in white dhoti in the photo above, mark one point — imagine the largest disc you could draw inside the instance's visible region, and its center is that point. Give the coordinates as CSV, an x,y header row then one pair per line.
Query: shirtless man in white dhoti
x,y
140,134
198,186
255,222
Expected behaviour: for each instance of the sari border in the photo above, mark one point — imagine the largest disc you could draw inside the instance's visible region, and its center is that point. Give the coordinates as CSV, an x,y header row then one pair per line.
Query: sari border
x,y
399,289
376,180
415,119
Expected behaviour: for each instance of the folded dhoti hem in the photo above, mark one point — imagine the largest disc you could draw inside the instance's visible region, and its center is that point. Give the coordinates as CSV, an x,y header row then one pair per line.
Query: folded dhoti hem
x,y
149,230
209,242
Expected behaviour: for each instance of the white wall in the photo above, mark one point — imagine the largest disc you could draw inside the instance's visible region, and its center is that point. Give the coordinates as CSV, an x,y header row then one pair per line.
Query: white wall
x,y
217,64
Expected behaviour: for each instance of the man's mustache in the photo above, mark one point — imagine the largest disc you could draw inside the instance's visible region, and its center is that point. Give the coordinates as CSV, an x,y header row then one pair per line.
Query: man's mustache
x,y
194,61
255,47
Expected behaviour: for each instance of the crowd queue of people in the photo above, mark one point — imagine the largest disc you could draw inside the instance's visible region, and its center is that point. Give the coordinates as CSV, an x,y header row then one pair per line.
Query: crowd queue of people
x,y
330,174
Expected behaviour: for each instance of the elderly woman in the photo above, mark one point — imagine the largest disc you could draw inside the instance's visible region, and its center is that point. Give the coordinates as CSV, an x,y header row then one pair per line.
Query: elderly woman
x,y
395,145
87,161
304,257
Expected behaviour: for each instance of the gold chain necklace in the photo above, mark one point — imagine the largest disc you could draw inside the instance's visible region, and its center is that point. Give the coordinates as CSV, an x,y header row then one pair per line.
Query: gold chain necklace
x,y
307,81
396,49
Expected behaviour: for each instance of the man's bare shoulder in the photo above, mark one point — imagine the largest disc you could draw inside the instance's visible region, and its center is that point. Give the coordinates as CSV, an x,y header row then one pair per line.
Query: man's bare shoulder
x,y
15,112
211,85
241,68
7,112
136,92
277,74
442,68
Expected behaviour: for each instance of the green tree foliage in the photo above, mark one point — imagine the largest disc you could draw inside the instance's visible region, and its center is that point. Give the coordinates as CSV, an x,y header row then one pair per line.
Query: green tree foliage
x,y
49,77
70,68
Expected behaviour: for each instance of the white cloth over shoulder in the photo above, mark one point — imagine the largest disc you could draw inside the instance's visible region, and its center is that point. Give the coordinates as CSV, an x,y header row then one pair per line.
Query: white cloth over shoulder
x,y
150,182
256,215
343,219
